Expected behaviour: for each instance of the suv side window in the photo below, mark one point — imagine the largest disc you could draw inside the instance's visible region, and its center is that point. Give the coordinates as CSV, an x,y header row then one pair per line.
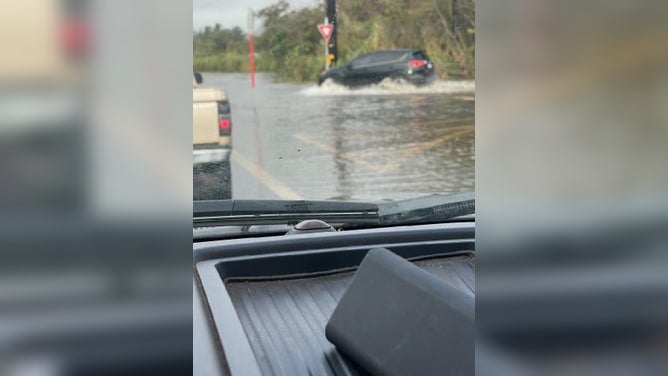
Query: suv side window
x,y
419,55
387,57
361,61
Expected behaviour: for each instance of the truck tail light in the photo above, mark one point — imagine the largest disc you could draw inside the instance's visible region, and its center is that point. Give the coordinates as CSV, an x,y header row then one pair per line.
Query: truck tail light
x,y
224,120
224,124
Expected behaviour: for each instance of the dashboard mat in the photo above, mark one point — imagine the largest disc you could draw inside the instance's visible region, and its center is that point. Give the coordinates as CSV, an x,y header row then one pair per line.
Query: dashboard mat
x,y
285,319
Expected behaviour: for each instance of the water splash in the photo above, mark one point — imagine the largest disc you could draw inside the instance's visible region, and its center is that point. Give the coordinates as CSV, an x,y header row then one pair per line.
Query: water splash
x,y
391,87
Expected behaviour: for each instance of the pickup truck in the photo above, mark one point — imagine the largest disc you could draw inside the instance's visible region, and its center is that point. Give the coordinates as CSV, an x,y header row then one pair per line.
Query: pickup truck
x,y
212,142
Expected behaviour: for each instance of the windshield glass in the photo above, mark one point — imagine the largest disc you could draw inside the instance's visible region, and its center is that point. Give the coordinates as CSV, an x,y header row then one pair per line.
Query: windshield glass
x,y
296,128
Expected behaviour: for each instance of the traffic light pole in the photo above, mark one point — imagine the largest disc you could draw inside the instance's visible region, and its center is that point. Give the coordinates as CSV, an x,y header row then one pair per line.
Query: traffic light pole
x,y
333,50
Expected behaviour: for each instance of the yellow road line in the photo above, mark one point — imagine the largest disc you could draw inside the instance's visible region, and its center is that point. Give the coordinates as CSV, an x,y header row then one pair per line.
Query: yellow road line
x,y
390,153
309,140
428,145
406,154
401,155
276,186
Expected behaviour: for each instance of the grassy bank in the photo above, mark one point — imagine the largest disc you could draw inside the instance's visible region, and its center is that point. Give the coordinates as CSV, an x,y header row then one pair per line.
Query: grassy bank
x,y
300,68
222,62
291,48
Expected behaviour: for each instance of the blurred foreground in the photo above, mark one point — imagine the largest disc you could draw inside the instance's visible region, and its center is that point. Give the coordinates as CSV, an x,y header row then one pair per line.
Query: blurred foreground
x,y
95,156
571,188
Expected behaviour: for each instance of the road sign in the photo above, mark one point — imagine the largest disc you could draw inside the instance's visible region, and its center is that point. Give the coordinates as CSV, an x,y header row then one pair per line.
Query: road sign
x,y
326,31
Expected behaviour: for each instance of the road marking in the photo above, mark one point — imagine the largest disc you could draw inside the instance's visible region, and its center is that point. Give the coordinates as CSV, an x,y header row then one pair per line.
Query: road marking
x,y
276,186
428,145
409,153
309,140
354,157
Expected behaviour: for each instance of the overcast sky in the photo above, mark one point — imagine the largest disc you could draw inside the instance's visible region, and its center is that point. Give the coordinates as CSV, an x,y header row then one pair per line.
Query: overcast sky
x,y
230,13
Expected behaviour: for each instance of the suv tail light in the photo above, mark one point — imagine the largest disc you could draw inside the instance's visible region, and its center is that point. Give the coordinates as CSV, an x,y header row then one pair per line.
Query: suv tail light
x,y
224,118
417,63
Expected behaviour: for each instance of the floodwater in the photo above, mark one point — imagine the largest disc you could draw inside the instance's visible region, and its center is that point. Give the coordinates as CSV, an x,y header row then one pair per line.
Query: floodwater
x,y
385,142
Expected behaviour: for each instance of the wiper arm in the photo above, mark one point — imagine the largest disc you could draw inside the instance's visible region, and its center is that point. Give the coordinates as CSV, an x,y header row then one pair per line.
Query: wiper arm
x,y
257,212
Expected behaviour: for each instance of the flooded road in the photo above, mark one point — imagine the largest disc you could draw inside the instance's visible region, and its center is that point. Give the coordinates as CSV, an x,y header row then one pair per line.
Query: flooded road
x,y
383,142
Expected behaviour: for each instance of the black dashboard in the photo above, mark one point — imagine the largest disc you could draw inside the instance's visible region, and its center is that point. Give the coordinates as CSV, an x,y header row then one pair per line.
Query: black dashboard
x,y
262,303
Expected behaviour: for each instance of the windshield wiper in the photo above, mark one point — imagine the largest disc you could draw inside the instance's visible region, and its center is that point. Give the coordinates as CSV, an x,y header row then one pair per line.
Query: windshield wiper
x,y
428,209
263,212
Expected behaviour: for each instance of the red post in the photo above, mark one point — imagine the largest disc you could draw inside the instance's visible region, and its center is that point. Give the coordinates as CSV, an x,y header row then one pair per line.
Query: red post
x,y
251,49
252,59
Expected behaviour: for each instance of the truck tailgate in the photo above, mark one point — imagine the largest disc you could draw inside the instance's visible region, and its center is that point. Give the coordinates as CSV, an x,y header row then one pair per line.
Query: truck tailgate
x,y
205,123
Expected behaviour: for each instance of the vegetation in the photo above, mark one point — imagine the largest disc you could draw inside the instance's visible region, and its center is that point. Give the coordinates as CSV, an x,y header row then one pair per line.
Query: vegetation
x,y
291,48
218,49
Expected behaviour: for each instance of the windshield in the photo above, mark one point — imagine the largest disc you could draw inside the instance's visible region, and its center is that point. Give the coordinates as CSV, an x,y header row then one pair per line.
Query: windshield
x,y
295,128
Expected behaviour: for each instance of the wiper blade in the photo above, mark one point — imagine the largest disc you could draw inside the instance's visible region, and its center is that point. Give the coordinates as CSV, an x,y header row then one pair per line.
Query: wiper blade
x,y
427,209
257,212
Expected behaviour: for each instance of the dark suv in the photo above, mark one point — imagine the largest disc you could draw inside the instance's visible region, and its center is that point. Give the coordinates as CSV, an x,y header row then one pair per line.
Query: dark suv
x,y
413,66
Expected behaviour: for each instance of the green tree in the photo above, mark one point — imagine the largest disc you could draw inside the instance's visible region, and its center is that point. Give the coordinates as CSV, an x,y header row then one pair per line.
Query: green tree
x,y
290,42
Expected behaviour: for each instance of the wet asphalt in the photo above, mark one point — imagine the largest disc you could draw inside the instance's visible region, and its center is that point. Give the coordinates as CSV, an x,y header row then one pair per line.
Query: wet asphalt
x,y
386,142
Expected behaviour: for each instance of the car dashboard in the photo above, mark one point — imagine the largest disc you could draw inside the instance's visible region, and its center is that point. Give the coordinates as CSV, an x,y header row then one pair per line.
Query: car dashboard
x,y
263,303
